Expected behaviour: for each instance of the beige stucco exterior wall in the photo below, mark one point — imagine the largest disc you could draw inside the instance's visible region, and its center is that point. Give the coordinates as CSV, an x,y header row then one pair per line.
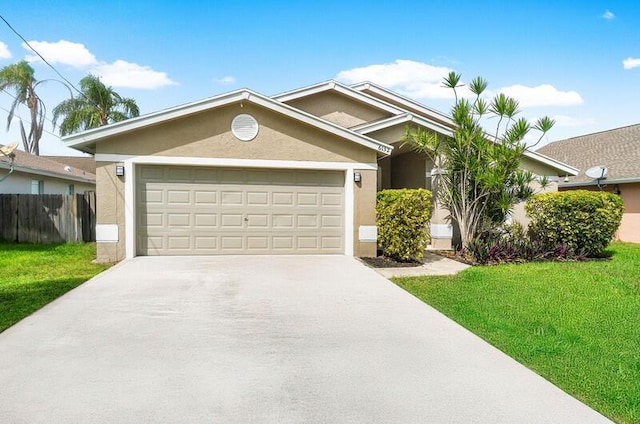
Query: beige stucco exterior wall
x,y
519,214
208,135
339,109
110,209
365,212
630,226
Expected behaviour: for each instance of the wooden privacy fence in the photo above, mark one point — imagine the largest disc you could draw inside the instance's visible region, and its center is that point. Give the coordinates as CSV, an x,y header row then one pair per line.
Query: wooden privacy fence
x,y
48,218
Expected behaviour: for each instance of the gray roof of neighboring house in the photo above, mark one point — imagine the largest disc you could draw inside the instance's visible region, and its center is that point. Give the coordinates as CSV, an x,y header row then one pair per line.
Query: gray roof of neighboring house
x,y
85,163
617,149
41,165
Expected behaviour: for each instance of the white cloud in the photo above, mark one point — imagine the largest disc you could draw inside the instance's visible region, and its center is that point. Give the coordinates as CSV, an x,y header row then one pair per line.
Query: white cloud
x,y
63,52
4,51
226,80
414,79
565,121
631,62
542,95
117,74
131,75
608,14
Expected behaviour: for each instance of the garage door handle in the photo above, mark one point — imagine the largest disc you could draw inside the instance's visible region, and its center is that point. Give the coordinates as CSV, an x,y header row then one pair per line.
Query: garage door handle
x,y
246,220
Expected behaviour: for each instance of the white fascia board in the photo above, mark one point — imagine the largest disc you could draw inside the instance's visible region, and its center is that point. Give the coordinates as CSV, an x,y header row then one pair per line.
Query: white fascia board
x,y
342,89
86,137
603,182
401,119
566,169
405,101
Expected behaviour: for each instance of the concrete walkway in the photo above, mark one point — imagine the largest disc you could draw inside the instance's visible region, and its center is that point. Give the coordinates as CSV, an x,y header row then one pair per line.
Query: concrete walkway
x,y
432,264
307,339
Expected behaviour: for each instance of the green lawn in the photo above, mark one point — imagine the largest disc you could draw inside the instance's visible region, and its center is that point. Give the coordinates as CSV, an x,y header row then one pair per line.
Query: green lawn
x,y
33,275
576,324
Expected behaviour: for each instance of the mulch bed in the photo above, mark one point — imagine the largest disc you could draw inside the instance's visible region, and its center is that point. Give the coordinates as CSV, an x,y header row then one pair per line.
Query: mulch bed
x,y
386,262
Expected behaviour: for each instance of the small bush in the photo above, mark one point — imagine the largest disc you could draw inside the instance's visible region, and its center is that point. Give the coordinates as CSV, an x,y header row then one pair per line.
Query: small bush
x,y
582,221
403,217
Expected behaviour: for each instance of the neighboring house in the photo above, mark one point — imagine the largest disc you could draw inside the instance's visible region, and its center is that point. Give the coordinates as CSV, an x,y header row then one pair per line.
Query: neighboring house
x,y
619,151
43,175
244,173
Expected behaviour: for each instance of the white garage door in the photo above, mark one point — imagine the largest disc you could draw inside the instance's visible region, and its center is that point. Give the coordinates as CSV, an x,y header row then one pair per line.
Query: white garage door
x,y
214,211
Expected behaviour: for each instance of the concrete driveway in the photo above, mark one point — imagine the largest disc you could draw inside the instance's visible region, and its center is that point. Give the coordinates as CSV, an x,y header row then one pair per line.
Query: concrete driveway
x,y
306,339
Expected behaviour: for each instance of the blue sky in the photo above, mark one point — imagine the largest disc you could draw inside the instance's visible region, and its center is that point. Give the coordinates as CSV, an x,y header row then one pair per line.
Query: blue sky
x,y
559,58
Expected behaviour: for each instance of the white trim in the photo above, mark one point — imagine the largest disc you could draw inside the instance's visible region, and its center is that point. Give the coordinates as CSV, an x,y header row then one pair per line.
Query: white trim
x,y
243,163
603,183
370,127
403,100
86,138
340,88
349,212
130,209
566,169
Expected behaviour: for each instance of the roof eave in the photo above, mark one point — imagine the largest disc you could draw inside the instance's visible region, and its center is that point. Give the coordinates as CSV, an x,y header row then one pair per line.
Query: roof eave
x,y
28,170
401,119
367,85
563,167
86,140
340,88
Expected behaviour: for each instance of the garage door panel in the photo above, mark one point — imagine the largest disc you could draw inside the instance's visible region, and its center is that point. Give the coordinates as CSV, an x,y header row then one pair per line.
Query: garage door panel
x,y
206,221
231,211
206,198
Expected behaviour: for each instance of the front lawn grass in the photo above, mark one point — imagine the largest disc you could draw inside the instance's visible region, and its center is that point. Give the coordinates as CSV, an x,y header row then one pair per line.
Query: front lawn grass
x,y
33,275
575,323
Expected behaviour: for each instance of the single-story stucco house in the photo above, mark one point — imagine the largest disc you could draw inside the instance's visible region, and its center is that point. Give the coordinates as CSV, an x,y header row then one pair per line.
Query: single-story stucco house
x,y
245,173
619,151
46,175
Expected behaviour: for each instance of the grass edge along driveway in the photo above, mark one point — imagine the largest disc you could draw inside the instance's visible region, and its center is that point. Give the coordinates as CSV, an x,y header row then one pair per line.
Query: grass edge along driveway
x,y
574,323
32,276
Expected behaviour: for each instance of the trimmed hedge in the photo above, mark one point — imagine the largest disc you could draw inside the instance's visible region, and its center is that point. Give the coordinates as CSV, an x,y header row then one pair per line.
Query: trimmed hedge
x,y
582,221
403,217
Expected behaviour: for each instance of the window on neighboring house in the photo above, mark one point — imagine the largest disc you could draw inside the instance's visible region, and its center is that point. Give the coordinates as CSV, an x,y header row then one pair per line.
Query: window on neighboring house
x,y
71,189
37,187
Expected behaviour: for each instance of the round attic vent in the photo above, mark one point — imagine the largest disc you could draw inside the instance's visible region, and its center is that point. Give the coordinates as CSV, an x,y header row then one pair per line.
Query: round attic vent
x,y
244,127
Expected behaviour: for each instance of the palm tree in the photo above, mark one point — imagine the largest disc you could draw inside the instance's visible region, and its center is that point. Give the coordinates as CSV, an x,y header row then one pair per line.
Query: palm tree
x,y
97,106
19,77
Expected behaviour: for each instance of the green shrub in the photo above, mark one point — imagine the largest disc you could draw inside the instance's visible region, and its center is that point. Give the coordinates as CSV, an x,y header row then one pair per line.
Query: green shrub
x,y
582,221
403,217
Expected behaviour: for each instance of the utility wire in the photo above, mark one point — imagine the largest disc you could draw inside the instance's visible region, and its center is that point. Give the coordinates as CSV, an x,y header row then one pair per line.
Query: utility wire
x,y
9,94
40,56
44,130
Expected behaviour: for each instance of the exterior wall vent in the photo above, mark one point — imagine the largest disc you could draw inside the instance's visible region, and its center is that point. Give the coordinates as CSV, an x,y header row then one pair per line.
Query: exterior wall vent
x,y
244,127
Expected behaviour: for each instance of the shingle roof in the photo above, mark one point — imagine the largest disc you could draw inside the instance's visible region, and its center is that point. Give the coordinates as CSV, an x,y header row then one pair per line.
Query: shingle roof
x,y
40,165
617,149
86,163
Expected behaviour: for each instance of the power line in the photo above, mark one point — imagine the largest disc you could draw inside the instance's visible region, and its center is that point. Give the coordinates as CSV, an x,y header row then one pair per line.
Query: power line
x,y
45,117
40,56
44,130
